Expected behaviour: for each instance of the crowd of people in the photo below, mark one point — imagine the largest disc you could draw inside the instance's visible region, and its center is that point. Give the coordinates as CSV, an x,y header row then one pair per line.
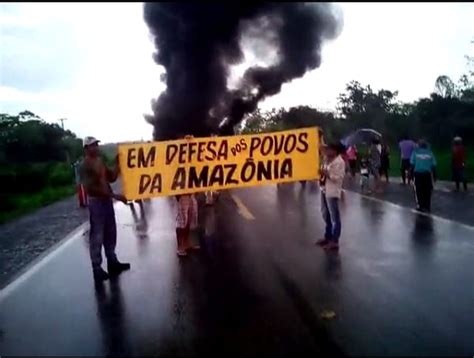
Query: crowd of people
x,y
418,164
376,164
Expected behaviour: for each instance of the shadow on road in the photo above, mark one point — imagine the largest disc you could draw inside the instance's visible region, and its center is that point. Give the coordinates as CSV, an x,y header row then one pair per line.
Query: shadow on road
x,y
321,337
112,317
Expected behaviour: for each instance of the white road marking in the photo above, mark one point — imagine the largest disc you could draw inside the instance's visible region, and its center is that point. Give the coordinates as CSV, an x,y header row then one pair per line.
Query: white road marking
x,y
436,217
53,252
243,210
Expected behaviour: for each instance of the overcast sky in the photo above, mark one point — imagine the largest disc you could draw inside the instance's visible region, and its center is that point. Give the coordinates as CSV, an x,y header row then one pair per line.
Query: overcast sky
x,y
91,63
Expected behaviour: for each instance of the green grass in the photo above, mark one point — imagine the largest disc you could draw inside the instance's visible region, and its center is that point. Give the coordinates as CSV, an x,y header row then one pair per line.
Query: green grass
x,y
26,203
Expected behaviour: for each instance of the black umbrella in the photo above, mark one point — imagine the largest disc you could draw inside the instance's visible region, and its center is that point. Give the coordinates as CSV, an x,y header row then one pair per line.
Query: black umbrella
x,y
360,136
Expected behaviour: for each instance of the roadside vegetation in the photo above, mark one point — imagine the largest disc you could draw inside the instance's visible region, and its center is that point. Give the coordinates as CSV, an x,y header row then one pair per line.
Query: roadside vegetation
x,y
36,160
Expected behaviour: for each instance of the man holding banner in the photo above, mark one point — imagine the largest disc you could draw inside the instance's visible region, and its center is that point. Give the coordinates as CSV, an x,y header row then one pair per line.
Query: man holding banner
x,y
95,177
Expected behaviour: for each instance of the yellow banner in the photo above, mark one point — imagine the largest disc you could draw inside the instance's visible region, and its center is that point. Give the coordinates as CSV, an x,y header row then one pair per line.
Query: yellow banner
x,y
199,164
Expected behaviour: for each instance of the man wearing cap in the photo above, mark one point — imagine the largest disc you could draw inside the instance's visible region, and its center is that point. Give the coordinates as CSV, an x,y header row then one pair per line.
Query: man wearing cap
x,y
95,176
459,163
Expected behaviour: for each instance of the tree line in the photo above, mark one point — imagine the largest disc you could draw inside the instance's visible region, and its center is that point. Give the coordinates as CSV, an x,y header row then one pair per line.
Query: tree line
x,y
35,161
447,112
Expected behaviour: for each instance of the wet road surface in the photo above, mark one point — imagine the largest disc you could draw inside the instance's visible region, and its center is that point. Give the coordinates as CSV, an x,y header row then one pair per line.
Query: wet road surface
x,y
27,238
401,284
455,206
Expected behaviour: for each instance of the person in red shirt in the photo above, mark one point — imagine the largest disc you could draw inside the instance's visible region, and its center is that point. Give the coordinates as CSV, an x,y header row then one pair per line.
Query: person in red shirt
x,y
351,154
459,163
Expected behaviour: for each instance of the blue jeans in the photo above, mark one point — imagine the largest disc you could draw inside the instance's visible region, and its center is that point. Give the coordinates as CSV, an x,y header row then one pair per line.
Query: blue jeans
x,y
103,231
330,211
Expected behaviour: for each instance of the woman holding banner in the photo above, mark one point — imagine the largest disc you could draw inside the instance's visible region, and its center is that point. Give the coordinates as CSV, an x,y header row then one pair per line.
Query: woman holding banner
x,y
186,220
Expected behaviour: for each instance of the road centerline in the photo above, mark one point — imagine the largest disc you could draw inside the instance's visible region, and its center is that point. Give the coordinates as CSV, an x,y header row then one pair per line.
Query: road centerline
x,y
242,209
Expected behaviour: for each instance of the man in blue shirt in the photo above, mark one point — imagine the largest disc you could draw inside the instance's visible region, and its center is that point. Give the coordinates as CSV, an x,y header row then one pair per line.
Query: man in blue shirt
x,y
423,166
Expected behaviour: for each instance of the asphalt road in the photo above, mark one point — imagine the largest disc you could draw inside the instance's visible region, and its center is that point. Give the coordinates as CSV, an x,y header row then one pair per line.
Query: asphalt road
x,y
401,285
27,238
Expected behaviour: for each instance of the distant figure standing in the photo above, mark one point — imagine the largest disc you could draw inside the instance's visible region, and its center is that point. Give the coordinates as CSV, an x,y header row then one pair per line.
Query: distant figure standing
x,y
332,177
351,154
423,164
407,146
95,177
364,175
459,163
375,159
211,195
385,162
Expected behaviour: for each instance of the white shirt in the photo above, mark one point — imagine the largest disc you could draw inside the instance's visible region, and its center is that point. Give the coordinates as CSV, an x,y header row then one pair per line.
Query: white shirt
x,y
336,170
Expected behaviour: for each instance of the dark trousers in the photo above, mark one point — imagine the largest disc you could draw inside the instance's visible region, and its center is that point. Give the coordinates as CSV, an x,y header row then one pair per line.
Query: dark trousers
x,y
353,166
459,177
423,190
103,231
405,168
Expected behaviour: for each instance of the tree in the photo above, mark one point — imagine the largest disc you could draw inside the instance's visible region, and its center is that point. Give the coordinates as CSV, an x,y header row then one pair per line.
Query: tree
x,y
466,82
445,87
438,118
26,138
294,117
361,107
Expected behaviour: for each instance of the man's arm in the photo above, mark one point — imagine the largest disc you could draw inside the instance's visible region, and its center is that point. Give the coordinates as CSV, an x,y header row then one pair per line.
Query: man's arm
x,y
412,158
412,164
112,174
433,167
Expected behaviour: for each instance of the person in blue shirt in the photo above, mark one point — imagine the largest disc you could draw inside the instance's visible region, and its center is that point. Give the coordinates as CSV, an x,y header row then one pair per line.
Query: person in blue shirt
x,y
423,167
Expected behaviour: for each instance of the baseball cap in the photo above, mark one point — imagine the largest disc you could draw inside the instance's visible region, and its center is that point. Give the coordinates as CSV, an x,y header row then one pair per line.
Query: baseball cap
x,y
89,140
457,139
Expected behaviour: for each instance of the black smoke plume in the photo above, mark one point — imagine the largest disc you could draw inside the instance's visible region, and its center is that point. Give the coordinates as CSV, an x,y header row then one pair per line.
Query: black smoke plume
x,y
198,43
